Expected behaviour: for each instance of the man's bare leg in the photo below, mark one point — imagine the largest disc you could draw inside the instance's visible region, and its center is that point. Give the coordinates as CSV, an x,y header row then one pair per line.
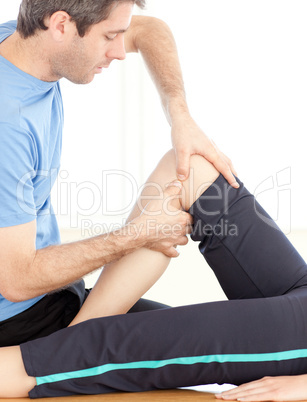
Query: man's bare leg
x,y
122,283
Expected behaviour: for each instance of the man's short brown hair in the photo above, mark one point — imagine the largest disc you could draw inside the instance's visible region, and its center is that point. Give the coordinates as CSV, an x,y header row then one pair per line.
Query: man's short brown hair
x,y
84,13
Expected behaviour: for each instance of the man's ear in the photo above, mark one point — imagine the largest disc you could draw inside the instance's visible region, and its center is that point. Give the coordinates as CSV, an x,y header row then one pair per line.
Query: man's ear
x,y
60,25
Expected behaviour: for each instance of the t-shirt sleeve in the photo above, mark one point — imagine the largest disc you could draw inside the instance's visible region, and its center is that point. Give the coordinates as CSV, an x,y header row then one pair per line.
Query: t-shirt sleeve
x,y
17,169
7,28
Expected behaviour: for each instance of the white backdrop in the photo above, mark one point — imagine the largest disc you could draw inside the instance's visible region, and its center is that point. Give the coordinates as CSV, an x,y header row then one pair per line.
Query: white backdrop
x,y
244,65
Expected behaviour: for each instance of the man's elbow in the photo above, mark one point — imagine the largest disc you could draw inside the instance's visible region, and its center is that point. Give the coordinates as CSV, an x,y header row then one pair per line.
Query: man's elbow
x,y
16,286
151,24
14,294
143,28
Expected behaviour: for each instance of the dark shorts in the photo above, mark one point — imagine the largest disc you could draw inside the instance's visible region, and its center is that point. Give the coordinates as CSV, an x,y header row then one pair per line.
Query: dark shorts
x,y
52,313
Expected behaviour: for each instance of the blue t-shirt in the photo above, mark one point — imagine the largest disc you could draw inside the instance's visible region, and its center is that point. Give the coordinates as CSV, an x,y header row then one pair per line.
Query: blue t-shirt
x,y
31,122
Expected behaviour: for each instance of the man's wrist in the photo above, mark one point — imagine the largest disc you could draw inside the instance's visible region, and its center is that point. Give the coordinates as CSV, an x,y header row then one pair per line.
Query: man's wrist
x,y
132,235
177,111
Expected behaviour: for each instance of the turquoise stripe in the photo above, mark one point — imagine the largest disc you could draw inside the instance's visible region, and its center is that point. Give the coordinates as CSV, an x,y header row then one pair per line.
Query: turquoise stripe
x,y
233,358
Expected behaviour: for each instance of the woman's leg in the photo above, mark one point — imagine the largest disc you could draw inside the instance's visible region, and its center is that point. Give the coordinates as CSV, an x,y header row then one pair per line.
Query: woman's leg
x,y
14,381
234,341
122,283
248,253
231,341
250,256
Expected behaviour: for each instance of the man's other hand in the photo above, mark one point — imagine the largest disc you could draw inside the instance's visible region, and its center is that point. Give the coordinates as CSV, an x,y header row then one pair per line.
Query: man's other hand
x,y
163,224
188,139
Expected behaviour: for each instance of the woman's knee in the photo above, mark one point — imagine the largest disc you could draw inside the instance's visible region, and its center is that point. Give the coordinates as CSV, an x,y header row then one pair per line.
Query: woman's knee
x,y
201,175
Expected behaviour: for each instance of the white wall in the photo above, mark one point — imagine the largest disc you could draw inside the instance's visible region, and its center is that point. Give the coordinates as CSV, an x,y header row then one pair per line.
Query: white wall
x,y
244,65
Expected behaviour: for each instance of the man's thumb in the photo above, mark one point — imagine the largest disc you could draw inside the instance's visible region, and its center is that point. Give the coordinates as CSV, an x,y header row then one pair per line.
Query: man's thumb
x,y
174,187
183,166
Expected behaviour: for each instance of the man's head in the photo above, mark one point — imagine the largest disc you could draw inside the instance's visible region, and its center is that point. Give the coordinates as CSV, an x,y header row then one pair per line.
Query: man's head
x,y
78,38
84,13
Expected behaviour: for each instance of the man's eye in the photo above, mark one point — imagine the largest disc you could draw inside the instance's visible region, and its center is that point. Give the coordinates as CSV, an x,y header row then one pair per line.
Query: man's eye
x,y
110,37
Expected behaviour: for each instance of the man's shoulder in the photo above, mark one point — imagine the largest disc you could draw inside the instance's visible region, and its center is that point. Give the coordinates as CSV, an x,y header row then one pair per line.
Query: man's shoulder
x,y
7,29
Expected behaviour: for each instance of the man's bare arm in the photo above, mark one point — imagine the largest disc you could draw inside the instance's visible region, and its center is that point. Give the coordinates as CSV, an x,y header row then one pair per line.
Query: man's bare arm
x,y
154,40
26,272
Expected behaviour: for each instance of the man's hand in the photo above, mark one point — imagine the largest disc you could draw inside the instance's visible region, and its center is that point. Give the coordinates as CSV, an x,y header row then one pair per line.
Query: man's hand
x,y
188,139
163,225
287,388
154,40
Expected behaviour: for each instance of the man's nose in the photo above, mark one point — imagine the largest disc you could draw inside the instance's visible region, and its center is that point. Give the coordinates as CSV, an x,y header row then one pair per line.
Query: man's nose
x,y
117,50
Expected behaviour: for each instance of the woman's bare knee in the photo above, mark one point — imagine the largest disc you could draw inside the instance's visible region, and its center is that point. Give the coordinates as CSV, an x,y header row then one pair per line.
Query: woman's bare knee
x,y
202,175
164,173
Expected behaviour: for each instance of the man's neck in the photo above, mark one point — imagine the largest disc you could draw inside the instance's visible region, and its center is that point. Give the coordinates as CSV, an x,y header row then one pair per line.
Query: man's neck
x,y
28,55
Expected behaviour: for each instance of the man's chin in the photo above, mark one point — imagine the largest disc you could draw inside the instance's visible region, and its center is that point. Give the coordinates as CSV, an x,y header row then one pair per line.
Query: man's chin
x,y
85,79
82,81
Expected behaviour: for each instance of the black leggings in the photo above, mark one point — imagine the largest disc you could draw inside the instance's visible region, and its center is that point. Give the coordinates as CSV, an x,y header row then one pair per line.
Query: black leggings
x,y
261,330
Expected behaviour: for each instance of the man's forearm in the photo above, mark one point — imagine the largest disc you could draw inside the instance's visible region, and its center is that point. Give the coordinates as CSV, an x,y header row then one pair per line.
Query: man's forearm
x,y
155,41
56,267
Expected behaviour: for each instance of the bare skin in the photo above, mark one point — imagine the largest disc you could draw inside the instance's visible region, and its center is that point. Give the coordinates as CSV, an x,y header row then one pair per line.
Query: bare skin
x,y
116,290
52,55
283,388
16,383
128,278
187,137
60,52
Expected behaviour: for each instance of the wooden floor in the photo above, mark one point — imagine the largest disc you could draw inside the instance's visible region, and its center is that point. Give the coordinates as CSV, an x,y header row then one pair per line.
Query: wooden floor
x,y
177,395
168,396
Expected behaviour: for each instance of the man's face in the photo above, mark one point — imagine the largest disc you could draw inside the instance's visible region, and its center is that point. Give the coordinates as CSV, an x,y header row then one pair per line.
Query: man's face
x,y
87,56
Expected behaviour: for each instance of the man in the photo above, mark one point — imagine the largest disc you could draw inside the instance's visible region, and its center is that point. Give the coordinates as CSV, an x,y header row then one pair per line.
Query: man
x,y
75,40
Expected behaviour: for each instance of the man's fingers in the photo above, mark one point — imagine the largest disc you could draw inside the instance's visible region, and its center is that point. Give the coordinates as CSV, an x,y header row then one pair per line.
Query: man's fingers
x,y
172,253
183,165
172,193
224,165
189,228
225,170
183,241
220,161
173,188
232,168
230,164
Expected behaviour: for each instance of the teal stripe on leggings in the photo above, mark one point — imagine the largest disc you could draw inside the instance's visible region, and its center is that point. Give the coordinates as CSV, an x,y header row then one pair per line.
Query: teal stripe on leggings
x,y
152,364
